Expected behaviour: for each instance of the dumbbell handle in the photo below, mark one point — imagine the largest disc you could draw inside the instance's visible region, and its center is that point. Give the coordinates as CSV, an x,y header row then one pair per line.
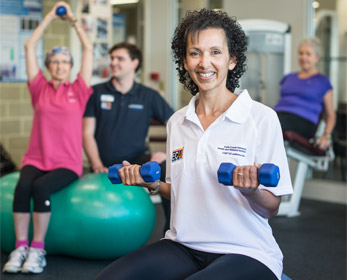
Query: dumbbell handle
x,y
150,172
60,11
268,174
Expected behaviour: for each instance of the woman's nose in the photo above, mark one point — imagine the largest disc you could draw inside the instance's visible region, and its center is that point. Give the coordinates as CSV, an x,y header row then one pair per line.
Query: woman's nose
x,y
204,61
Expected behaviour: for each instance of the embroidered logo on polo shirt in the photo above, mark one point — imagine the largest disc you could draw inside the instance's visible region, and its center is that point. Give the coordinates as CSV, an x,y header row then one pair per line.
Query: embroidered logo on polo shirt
x,y
177,155
71,98
232,151
135,106
106,101
106,105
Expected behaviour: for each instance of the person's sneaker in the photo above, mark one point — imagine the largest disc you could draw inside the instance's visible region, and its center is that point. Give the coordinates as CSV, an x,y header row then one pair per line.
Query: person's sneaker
x,y
35,261
16,260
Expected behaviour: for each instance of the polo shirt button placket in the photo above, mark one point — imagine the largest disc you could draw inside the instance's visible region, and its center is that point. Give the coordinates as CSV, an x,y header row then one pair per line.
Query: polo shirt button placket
x,y
202,146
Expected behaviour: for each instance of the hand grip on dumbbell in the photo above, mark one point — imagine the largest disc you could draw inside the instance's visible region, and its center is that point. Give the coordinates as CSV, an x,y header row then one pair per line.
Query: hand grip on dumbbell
x,y
268,174
60,11
150,172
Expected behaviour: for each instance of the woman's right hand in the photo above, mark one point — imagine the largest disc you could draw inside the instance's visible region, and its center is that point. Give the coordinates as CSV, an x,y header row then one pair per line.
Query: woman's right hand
x,y
52,13
323,142
69,15
130,175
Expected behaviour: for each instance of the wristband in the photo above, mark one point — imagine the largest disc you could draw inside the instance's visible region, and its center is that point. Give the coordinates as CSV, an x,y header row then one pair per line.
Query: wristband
x,y
328,135
156,190
73,21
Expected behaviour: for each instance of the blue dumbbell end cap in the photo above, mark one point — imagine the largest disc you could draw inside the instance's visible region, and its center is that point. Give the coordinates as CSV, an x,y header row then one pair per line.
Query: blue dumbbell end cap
x,y
150,171
269,175
113,173
60,11
225,173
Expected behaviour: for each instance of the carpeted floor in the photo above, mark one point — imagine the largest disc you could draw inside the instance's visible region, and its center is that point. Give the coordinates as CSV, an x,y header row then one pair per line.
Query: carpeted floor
x,y
313,245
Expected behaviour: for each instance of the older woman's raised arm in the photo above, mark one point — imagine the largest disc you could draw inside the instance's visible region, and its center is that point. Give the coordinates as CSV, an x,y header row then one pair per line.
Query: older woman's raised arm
x,y
32,65
87,56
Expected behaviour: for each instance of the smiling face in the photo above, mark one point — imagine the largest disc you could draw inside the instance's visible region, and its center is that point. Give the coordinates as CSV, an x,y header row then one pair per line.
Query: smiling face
x,y
59,67
207,60
307,57
121,64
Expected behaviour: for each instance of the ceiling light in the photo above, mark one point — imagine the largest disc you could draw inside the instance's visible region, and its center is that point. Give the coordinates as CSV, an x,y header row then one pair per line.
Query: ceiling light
x,y
315,4
122,2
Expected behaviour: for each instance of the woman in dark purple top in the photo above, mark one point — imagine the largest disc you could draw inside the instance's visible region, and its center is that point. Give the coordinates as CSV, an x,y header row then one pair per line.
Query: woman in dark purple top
x,y
305,95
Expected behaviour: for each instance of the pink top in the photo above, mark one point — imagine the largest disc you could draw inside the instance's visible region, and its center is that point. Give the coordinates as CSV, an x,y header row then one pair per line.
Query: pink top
x,y
56,134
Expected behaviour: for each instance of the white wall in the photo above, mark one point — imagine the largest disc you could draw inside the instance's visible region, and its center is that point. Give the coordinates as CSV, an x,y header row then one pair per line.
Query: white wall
x,y
160,22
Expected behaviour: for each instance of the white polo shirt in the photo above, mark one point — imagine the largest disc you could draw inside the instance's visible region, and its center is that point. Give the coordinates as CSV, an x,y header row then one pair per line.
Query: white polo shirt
x,y
209,216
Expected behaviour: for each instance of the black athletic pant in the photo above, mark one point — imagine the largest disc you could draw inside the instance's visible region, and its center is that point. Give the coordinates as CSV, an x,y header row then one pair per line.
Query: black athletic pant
x,y
298,124
165,202
168,260
39,185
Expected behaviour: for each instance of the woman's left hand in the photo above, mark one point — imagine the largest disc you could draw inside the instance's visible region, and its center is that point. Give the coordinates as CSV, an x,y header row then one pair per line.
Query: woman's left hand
x,y
69,15
245,178
324,142
263,202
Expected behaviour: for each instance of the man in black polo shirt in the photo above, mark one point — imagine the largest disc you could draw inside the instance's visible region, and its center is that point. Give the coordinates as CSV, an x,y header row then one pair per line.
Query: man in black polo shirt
x,y
118,114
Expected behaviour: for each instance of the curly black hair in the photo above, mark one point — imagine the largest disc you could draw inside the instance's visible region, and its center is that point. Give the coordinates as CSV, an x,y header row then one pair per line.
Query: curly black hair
x,y
196,21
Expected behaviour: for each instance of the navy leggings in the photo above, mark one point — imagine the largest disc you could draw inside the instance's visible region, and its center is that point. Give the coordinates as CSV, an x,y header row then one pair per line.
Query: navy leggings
x,y
298,124
169,260
39,184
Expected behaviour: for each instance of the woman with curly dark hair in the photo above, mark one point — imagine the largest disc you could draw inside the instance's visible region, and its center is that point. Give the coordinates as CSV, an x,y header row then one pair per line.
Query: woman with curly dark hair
x,y
216,231
236,43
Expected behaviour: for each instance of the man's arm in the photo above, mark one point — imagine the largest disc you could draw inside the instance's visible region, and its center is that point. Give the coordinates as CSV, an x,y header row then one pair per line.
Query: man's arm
x,y
162,111
90,146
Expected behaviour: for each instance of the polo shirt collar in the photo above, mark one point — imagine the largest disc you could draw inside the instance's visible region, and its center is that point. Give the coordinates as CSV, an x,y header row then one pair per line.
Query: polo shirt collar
x,y
190,113
66,83
111,86
237,112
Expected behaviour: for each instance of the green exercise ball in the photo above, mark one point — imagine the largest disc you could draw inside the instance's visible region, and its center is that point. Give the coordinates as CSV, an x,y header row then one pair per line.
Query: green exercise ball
x,y
91,218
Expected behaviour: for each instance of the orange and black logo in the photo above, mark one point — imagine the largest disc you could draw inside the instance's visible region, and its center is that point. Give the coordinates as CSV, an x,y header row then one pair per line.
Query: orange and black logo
x,y
177,155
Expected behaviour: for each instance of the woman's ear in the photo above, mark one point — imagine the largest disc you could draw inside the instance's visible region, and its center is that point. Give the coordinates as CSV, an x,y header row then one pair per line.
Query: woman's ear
x,y
185,64
232,63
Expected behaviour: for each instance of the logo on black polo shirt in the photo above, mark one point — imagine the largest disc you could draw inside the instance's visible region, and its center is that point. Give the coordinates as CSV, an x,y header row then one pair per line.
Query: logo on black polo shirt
x,y
136,107
177,155
106,101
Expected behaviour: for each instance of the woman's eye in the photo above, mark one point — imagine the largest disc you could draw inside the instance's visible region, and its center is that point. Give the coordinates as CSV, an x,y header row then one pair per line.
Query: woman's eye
x,y
216,52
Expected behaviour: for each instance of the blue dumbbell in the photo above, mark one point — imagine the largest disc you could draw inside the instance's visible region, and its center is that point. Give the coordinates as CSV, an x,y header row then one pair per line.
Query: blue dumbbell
x,y
150,172
61,11
268,174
